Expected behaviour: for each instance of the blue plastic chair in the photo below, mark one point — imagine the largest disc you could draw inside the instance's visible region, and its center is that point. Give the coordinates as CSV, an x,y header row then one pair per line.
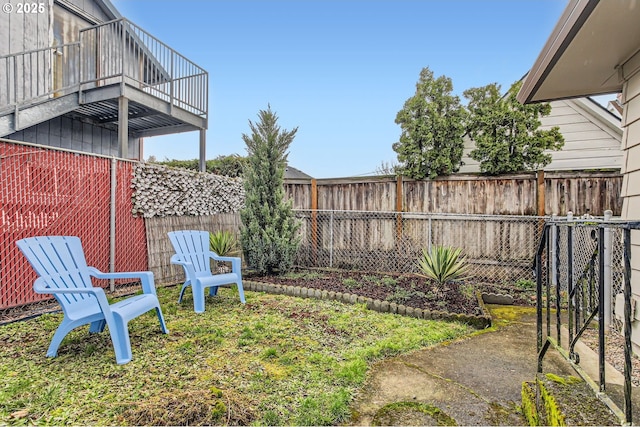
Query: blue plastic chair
x,y
193,253
63,271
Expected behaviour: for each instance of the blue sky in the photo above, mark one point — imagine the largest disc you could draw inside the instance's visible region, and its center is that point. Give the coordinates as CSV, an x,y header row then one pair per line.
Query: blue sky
x,y
338,70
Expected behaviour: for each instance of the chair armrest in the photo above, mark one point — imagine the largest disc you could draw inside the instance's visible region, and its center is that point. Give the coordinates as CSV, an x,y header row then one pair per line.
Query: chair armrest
x,y
222,258
146,278
236,262
40,287
177,259
190,272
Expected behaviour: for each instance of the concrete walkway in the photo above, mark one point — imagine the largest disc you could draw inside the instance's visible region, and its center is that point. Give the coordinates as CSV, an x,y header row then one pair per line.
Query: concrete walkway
x,y
473,381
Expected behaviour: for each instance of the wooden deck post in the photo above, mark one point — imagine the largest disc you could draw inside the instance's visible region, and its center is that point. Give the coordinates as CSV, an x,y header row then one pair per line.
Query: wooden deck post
x,y
202,161
123,127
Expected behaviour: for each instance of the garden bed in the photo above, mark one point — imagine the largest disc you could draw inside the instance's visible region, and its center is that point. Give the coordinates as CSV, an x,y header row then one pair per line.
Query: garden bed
x,y
392,292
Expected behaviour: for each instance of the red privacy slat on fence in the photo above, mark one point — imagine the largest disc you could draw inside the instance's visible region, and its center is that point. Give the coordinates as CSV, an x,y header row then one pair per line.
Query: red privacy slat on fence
x,y
49,192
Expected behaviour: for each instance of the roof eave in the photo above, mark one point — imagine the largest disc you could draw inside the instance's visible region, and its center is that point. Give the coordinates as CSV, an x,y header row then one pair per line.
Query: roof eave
x,y
109,9
569,24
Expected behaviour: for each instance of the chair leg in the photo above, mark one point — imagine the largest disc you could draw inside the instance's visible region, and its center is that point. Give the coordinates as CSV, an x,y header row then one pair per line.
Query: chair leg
x,y
198,298
163,325
241,291
184,287
97,326
62,331
120,337
213,291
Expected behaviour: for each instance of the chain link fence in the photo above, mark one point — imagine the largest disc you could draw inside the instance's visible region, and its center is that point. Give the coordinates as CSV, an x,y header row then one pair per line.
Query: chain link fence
x,y
55,192
498,249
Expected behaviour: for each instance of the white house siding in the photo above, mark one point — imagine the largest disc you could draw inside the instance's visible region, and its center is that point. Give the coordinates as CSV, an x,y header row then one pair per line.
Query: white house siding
x,y
470,165
592,138
631,186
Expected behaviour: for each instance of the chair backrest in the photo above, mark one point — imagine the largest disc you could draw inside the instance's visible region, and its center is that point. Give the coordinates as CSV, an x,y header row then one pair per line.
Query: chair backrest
x,y
193,246
60,261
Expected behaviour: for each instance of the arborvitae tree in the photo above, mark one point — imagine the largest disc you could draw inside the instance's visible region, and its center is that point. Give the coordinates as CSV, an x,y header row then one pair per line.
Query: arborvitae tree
x,y
269,235
506,132
432,123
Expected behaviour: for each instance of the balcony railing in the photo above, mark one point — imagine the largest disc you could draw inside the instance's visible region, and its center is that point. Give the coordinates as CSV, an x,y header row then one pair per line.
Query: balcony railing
x,y
38,74
120,51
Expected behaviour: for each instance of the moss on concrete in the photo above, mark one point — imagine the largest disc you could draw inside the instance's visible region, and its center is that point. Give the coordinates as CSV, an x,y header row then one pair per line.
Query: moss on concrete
x,y
529,404
555,400
568,380
506,314
552,414
411,413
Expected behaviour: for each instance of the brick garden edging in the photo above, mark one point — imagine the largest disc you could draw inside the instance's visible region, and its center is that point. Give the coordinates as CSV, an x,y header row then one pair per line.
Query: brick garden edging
x,y
478,322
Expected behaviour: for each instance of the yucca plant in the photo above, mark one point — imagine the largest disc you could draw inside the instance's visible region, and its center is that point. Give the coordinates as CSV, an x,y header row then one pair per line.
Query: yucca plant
x,y
443,264
224,243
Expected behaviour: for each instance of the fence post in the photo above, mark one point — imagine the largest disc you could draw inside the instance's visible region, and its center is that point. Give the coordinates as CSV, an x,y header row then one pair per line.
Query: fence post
x,y
112,221
627,324
540,202
553,250
570,287
331,240
601,309
552,280
540,193
399,208
608,274
314,221
556,277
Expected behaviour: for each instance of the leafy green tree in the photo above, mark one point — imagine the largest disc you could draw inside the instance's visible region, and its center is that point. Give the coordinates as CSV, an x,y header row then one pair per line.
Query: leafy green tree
x,y
191,164
506,133
231,165
432,123
269,236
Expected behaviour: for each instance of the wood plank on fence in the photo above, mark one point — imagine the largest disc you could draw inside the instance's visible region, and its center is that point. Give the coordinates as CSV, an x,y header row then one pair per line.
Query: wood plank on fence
x,y
546,193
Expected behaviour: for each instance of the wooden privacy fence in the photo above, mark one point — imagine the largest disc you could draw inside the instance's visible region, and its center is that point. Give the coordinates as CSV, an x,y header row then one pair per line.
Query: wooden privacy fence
x,y
542,193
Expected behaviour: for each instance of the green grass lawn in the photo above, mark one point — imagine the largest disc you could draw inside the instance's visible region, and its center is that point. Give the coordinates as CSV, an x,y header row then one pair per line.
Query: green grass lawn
x,y
276,360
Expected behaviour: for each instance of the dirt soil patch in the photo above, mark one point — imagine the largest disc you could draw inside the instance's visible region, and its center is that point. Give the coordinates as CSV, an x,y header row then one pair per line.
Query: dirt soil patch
x,y
410,290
